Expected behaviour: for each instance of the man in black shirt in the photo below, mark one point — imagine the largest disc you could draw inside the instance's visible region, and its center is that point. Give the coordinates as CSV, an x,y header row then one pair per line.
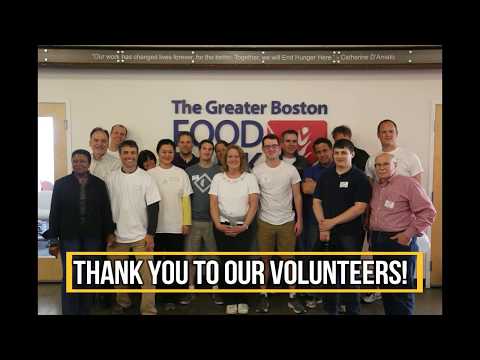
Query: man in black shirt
x,y
185,158
361,156
339,201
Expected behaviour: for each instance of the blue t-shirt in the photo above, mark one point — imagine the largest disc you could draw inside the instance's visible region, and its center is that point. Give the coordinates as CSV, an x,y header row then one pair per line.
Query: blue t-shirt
x,y
312,172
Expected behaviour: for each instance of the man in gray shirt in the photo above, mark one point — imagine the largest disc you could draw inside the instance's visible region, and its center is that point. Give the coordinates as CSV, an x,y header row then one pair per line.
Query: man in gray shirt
x,y
201,176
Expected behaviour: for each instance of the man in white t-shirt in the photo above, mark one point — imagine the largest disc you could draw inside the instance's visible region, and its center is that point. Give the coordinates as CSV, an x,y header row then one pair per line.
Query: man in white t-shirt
x,y
408,163
279,183
135,202
118,134
175,215
102,162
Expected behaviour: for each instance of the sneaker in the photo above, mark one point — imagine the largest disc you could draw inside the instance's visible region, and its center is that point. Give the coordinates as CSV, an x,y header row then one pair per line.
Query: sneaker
x,y
217,299
243,308
342,309
296,305
371,298
170,306
232,309
187,299
311,302
263,305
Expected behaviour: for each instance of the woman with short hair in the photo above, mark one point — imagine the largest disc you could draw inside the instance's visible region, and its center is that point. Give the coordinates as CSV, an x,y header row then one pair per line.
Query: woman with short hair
x,y
233,205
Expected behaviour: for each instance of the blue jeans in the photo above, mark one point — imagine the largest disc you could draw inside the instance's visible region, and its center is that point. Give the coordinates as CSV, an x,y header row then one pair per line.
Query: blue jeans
x,y
397,303
343,242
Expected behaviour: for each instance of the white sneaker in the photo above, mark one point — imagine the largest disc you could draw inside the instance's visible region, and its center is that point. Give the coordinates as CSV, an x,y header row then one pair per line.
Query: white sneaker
x,y
371,298
232,309
243,308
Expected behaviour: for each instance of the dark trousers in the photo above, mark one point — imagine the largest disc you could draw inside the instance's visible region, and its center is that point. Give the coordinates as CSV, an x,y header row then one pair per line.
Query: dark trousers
x,y
337,243
78,303
241,242
397,303
171,243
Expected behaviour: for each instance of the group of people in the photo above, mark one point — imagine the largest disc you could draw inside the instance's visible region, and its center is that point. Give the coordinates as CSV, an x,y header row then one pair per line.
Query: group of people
x,y
119,199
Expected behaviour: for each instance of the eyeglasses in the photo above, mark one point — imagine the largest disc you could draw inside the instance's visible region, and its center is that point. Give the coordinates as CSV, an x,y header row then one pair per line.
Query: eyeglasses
x,y
268,147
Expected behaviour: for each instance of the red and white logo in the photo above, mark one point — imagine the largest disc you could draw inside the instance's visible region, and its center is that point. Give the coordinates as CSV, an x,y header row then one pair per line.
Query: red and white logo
x,y
308,131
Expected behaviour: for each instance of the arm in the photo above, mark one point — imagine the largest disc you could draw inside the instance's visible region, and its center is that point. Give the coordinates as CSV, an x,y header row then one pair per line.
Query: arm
x,y
152,216
348,215
308,186
297,199
252,208
418,177
187,214
318,212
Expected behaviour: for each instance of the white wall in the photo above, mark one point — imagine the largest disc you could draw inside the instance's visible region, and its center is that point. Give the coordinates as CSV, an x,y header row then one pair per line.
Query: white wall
x,y
140,99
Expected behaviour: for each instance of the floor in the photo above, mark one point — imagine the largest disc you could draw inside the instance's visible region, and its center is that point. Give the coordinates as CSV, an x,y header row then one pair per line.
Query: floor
x,y
428,303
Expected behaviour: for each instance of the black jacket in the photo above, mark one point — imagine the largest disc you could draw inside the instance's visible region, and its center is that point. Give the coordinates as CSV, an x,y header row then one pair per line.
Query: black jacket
x,y
64,221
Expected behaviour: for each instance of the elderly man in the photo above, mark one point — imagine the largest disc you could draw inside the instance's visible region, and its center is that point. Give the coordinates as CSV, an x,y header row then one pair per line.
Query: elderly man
x,y
400,209
102,162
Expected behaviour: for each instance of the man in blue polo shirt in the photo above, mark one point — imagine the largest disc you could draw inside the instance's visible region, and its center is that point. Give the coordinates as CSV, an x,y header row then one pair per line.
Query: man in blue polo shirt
x,y
340,198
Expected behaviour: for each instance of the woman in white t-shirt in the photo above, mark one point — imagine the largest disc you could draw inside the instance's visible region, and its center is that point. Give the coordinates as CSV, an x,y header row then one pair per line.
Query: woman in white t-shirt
x,y
233,205
175,214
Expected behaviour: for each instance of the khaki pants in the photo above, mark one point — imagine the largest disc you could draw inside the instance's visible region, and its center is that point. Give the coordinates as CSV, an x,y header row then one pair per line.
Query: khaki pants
x,y
283,236
147,306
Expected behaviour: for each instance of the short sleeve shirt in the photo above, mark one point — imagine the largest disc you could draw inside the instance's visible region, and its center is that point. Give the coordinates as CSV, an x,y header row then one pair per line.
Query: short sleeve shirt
x,y
276,192
408,163
338,193
173,184
130,194
233,194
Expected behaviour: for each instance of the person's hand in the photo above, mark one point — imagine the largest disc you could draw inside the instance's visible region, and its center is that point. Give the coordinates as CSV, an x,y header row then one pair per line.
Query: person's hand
x,y
326,224
53,250
111,239
222,227
324,235
402,239
298,227
149,242
235,230
186,229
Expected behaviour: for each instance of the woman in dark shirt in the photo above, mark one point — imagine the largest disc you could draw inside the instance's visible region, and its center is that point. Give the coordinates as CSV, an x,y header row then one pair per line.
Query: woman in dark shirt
x,y
80,220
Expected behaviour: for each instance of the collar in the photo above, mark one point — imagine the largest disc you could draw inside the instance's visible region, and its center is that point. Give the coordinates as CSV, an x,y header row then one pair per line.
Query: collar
x,y
388,181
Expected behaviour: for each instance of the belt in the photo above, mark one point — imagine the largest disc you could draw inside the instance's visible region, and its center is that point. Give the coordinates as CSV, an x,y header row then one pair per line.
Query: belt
x,y
388,233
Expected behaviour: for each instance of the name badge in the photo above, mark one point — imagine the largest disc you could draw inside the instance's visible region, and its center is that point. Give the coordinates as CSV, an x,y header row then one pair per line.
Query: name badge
x,y
195,177
344,184
389,204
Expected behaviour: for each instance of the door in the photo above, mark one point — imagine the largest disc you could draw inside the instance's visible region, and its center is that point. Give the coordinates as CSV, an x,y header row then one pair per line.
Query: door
x,y
436,277
52,165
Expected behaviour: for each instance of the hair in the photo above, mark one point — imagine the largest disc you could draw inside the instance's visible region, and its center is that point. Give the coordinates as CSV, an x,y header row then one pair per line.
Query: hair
x,y
130,143
185,133
392,157
344,143
271,137
165,142
321,140
384,121
289,131
342,129
120,125
243,160
99,129
143,156
206,141
221,142
84,153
